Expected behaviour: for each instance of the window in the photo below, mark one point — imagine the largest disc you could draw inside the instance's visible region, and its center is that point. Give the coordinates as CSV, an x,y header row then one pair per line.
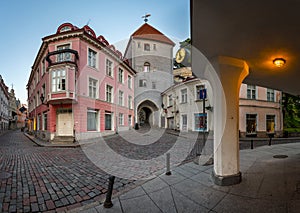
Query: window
x,y
183,95
92,120
121,98
129,82
200,122
153,85
139,44
63,56
121,119
146,67
64,29
184,122
58,80
37,76
92,88
121,75
109,91
92,58
251,92
270,95
44,121
146,47
37,98
199,91
251,123
43,67
44,90
129,120
38,127
109,68
270,123
130,102
170,100
108,120
154,46
142,83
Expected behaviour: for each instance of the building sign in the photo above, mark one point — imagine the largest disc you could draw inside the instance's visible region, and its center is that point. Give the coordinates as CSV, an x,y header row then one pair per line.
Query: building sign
x,y
202,94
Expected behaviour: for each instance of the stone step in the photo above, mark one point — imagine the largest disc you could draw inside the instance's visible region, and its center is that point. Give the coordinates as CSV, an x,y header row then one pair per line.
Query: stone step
x,y
62,139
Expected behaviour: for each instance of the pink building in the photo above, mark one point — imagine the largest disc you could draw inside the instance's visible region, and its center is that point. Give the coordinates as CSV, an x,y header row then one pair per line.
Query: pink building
x,y
80,87
260,111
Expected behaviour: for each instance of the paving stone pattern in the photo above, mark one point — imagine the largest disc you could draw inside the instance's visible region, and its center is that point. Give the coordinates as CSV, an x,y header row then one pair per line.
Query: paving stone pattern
x,y
38,179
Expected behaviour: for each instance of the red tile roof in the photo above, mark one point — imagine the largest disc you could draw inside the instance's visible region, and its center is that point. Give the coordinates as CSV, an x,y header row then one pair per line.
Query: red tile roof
x,y
146,31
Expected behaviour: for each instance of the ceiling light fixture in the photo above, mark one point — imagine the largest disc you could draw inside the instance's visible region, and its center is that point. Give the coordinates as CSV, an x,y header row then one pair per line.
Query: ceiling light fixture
x,y
279,62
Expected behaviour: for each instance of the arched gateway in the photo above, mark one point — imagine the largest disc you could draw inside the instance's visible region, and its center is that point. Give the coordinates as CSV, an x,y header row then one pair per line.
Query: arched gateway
x,y
147,114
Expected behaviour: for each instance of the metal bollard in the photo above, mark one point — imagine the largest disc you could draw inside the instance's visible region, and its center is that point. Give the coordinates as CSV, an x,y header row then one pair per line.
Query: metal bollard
x,y
168,172
107,203
251,143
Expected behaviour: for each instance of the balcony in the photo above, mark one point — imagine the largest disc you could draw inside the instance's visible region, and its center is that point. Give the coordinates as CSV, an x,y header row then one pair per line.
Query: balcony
x,y
62,56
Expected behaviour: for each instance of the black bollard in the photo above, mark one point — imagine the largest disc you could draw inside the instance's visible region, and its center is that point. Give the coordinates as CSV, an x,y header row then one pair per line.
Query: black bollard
x,y
107,203
251,143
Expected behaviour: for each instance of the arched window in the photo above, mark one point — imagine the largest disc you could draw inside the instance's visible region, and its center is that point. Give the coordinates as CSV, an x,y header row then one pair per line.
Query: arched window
x,y
146,67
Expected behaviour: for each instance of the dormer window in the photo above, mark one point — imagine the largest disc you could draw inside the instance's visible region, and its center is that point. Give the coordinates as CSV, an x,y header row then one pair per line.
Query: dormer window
x,y
64,29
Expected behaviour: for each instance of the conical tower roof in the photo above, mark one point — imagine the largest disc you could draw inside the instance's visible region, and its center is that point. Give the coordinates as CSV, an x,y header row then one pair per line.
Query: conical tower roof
x,y
146,31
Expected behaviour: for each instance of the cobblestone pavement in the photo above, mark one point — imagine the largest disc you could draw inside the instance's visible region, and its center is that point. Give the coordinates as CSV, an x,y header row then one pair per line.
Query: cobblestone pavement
x,y
36,179
39,179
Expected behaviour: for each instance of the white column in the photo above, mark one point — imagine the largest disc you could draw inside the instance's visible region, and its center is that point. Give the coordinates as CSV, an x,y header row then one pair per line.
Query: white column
x,y
231,72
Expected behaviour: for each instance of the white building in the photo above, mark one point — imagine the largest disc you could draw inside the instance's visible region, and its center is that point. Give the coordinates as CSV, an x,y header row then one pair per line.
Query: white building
x,y
183,106
150,53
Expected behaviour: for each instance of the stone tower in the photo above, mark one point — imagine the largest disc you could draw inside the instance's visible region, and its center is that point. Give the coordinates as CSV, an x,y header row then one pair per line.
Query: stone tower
x,y
150,53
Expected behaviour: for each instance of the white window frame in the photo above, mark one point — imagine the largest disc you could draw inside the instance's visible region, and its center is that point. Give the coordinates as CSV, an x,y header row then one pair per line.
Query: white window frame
x,y
92,58
121,119
121,98
270,95
94,92
184,125
129,82
97,127
183,95
109,68
142,83
147,67
57,80
44,121
130,102
251,90
121,75
110,93
63,56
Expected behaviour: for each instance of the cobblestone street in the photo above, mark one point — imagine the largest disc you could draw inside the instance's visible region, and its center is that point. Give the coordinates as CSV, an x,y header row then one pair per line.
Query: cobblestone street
x,y
35,179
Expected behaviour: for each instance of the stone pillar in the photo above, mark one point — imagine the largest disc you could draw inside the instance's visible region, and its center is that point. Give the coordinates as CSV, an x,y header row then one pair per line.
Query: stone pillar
x,y
231,72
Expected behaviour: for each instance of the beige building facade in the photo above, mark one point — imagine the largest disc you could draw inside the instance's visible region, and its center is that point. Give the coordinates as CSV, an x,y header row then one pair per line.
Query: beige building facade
x,y
260,111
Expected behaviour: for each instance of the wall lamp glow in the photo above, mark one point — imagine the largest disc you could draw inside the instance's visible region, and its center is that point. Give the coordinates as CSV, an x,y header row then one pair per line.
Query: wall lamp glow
x,y
279,62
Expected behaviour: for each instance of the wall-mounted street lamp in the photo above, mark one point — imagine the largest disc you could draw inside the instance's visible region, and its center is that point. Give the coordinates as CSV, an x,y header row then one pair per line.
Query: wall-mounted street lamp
x,y
42,98
209,108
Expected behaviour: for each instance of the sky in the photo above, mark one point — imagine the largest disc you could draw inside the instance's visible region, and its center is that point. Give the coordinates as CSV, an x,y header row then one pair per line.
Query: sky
x,y
24,23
